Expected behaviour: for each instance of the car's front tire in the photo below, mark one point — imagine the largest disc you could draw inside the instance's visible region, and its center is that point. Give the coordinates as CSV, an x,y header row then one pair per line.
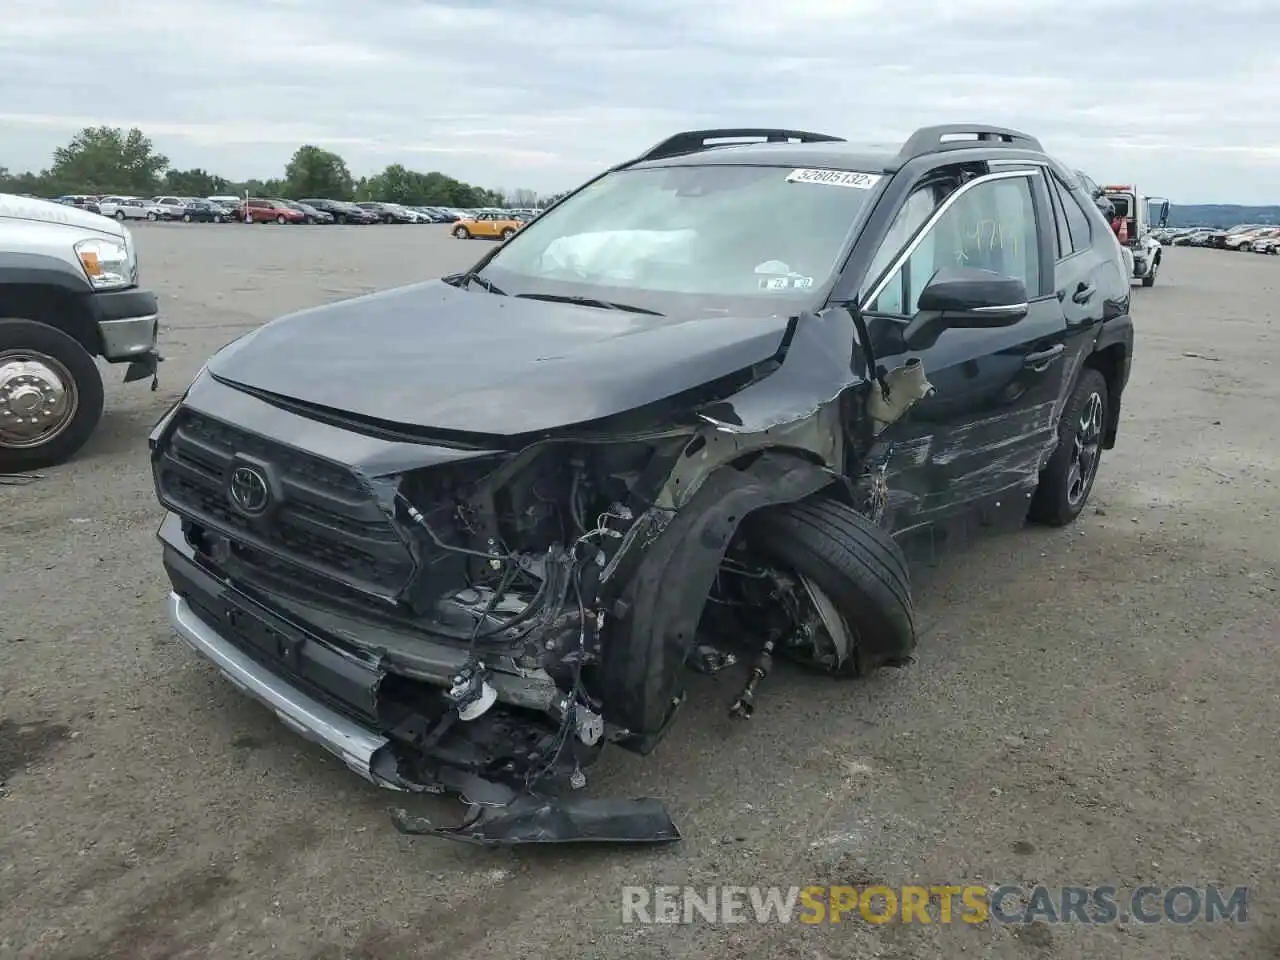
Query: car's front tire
x,y
850,570
119,215
45,373
1067,480
462,233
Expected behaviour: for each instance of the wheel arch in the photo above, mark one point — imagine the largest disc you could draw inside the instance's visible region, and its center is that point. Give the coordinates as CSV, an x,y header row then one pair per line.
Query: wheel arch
x,y
1111,361
48,291
654,598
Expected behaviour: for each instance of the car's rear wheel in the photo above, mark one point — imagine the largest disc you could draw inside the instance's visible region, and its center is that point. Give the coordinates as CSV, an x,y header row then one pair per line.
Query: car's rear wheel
x,y
151,216
186,218
462,233
50,395
1067,480
508,233
282,220
850,596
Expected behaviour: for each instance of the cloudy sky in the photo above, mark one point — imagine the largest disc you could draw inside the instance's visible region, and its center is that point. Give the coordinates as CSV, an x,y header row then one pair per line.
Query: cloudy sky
x,y
1180,96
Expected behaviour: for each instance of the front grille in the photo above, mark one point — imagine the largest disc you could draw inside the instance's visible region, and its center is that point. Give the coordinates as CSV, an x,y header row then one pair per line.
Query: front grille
x,y
325,524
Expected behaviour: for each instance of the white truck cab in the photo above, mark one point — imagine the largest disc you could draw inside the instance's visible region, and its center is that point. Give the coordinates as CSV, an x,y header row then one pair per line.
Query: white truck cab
x,y
1141,216
68,293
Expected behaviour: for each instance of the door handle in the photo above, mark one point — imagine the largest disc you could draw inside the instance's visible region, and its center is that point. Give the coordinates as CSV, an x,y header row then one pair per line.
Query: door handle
x,y
1084,293
1040,361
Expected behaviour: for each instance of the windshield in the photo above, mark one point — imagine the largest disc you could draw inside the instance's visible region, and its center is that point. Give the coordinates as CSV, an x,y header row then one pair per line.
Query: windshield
x,y
687,231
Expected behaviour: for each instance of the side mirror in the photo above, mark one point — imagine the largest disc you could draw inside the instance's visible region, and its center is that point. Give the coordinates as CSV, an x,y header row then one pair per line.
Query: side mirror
x,y
966,298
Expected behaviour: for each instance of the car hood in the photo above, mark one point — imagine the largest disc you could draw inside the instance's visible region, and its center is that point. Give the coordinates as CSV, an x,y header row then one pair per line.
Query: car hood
x,y
46,211
433,356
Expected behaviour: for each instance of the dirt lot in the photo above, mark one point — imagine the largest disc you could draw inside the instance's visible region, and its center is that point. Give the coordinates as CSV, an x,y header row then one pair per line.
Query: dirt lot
x,y
1090,706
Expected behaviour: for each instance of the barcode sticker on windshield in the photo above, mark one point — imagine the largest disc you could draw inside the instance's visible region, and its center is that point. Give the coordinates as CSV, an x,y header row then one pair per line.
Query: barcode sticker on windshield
x,y
836,178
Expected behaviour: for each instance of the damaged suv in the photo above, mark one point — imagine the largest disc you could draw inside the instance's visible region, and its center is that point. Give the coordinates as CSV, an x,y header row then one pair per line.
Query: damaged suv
x,y
467,532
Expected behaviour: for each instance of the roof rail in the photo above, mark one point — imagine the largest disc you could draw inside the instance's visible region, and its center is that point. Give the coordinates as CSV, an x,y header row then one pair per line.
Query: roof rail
x,y
692,141
928,140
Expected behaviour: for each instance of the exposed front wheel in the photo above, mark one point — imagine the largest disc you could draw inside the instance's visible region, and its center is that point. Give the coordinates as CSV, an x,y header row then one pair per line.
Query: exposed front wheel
x,y
462,233
281,220
151,216
119,214
50,395
186,218
1065,484
842,581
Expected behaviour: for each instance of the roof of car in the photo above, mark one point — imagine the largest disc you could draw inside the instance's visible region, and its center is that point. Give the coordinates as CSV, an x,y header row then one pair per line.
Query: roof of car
x,y
800,148
836,155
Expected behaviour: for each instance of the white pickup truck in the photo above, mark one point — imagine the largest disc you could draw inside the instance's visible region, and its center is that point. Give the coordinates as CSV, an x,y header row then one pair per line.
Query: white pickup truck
x,y
68,293
1137,213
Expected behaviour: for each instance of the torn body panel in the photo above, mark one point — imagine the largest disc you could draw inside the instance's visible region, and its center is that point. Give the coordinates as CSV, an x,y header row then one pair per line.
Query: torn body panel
x,y
498,614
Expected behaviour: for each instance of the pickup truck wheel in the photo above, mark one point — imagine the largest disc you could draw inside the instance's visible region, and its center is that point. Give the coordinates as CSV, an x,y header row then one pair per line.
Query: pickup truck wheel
x,y
853,580
50,395
1065,484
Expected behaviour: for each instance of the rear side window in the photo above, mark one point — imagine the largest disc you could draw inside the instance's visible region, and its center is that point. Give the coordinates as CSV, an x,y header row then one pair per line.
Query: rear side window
x,y
1079,230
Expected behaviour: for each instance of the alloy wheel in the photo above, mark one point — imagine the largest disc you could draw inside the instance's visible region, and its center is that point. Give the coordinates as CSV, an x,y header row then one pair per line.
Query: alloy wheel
x,y
1086,449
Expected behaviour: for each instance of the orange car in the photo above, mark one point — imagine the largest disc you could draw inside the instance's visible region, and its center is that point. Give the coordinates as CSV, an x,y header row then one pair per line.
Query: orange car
x,y
498,226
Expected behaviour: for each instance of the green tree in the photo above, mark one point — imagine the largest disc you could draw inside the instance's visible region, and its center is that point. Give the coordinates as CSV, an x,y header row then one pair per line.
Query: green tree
x,y
264,188
194,183
314,172
397,184
108,160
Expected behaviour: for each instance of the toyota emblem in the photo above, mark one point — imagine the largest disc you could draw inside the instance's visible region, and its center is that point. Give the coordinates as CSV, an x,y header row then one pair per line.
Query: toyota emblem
x,y
249,491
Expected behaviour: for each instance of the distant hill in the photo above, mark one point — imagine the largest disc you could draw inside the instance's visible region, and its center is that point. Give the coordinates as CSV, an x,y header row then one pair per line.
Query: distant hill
x,y
1219,215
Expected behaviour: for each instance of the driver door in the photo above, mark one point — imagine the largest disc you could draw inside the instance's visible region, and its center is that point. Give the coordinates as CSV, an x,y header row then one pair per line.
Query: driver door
x,y
982,434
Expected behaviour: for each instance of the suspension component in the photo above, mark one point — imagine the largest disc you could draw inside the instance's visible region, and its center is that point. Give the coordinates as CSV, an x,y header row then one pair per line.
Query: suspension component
x,y
745,705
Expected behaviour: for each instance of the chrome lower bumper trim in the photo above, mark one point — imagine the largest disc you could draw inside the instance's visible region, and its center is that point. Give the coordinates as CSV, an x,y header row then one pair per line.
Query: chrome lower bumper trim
x,y
355,745
129,337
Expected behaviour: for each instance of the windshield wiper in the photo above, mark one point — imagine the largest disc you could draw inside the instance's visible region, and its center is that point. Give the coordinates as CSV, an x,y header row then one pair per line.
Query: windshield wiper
x,y
470,278
463,280
589,302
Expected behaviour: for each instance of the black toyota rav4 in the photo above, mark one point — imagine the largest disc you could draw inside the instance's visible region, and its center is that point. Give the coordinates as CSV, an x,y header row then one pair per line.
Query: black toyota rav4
x,y
466,532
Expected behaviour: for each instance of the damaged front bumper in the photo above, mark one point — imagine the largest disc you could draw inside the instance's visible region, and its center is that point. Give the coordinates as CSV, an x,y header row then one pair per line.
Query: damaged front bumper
x,y
349,742
319,691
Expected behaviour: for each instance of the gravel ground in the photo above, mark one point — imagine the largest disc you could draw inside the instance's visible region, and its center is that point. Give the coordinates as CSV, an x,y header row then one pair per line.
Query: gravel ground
x,y
1090,706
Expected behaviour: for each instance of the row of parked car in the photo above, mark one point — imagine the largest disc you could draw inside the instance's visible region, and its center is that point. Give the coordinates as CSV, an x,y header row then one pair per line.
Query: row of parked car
x,y
1244,238
229,209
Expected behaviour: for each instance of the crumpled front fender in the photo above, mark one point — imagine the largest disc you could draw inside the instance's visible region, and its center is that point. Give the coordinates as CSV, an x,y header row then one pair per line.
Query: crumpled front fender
x,y
653,604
